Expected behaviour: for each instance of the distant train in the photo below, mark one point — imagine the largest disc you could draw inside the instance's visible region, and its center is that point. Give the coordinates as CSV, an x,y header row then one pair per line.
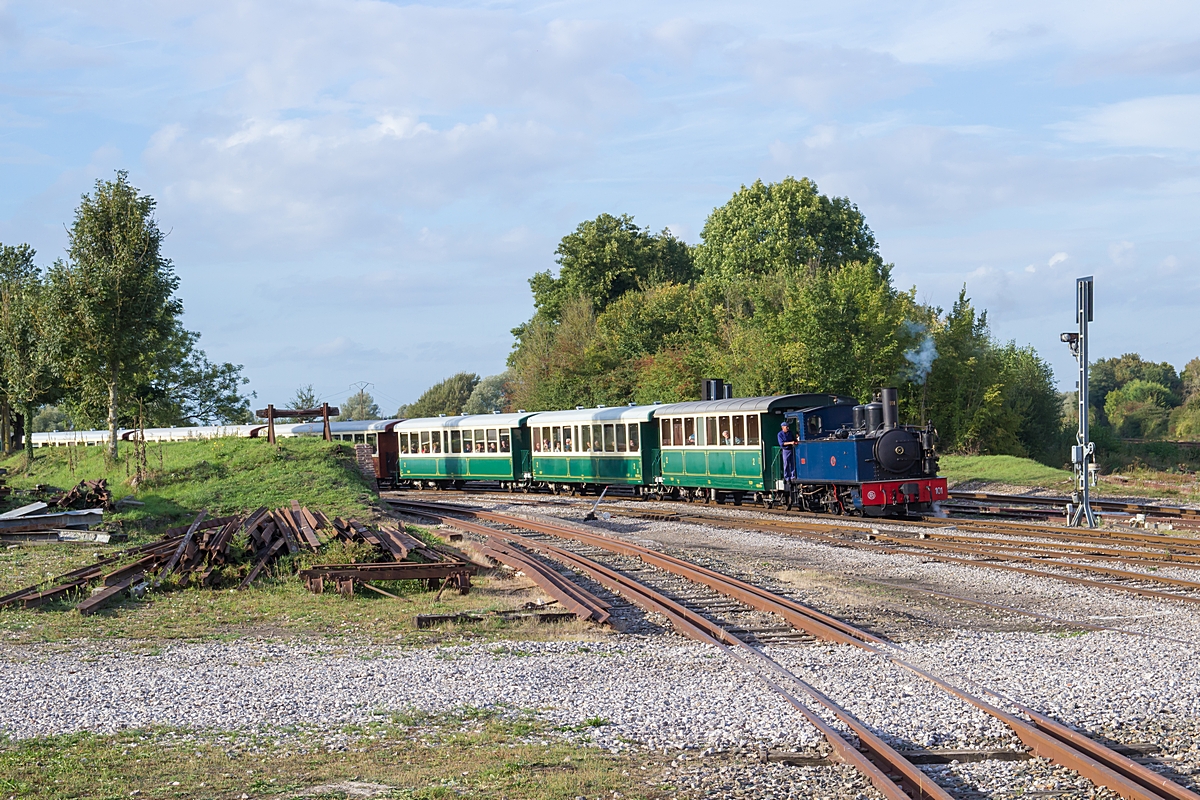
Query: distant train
x,y
849,458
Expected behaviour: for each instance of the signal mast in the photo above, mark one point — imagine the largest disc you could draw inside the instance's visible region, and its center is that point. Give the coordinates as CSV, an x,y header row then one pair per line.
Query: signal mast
x,y
1083,454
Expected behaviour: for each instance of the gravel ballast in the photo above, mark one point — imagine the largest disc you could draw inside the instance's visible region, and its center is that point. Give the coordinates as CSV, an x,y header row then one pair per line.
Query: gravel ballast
x,y
659,694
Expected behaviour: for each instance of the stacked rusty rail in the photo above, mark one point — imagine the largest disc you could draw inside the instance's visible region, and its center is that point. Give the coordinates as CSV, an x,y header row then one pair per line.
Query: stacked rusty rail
x,y
437,565
149,557
88,494
204,551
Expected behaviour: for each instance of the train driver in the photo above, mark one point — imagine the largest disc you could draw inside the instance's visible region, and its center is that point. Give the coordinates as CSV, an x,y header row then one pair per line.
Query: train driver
x,y
787,443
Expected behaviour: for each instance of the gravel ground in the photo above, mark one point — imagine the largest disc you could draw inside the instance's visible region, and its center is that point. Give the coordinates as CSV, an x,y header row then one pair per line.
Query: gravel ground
x,y
907,711
653,693
771,558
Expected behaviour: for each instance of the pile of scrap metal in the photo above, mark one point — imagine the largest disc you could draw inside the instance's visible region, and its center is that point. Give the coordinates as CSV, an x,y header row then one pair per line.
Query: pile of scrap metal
x,y
177,547
88,494
33,524
437,564
203,553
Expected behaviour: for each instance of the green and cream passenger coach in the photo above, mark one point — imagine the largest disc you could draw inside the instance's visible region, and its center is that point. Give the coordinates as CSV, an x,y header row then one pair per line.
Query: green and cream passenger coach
x,y
449,451
593,447
718,448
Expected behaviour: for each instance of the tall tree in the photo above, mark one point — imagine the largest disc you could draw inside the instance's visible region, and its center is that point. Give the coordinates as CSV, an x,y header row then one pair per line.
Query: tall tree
x,y
779,229
113,299
490,394
27,365
357,406
16,266
606,257
1110,374
305,397
448,397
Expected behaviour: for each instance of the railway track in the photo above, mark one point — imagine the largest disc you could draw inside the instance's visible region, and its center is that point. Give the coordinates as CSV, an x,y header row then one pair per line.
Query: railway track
x,y
697,617
874,539
1004,505
1001,541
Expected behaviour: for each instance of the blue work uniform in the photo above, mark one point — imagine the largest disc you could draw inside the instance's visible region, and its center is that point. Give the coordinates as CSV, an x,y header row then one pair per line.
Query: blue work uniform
x,y
787,447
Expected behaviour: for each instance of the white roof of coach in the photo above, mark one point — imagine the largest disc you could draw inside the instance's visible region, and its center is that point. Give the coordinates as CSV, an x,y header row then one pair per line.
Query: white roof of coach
x,y
350,426
465,421
601,414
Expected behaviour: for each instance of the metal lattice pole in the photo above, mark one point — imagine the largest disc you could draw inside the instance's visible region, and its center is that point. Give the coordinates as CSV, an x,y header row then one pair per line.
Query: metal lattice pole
x,y
1083,454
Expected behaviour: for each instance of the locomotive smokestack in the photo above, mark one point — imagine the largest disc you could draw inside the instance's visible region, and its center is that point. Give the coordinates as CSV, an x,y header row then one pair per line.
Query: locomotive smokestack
x,y
891,408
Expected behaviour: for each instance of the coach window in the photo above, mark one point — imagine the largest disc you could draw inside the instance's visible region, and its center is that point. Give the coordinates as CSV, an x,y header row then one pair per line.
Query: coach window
x,y
633,438
373,440
468,445
752,430
504,440
739,429
556,439
360,438
610,439
491,440
404,444
620,438
585,438
546,440
689,431
724,432
665,432
677,432
597,438
423,438
712,435
455,442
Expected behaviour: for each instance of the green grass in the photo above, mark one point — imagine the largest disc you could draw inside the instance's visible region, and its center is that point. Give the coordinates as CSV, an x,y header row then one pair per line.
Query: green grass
x,y
1003,469
222,475
468,755
276,606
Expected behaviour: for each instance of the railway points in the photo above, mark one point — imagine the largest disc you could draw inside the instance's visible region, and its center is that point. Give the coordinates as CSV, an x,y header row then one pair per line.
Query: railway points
x,y
1045,736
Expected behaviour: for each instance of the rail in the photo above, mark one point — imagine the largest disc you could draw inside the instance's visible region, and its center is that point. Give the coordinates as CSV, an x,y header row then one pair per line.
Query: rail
x,y
1043,735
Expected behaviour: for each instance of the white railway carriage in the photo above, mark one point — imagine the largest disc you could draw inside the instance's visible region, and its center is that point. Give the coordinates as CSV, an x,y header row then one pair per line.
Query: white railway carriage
x,y
177,434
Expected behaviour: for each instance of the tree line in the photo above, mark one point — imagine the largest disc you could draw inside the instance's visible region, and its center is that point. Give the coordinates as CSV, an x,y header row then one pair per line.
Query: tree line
x,y
786,292
1131,398
97,339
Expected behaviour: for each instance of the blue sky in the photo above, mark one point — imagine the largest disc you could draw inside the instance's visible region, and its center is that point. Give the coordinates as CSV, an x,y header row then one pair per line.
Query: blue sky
x,y
358,191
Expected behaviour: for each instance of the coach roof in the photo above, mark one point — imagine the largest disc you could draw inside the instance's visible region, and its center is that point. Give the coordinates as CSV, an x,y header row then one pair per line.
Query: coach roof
x,y
740,405
601,414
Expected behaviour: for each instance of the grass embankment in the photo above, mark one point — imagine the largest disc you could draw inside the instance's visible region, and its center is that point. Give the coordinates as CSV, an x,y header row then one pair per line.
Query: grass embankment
x,y
224,476
1003,469
229,476
1135,480
475,754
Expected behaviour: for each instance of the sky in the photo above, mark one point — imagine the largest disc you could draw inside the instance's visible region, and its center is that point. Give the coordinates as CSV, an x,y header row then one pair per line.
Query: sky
x,y
358,191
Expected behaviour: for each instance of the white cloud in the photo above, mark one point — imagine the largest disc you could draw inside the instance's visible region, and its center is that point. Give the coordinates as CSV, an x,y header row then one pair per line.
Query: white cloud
x,y
1121,253
910,173
1057,258
1168,121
